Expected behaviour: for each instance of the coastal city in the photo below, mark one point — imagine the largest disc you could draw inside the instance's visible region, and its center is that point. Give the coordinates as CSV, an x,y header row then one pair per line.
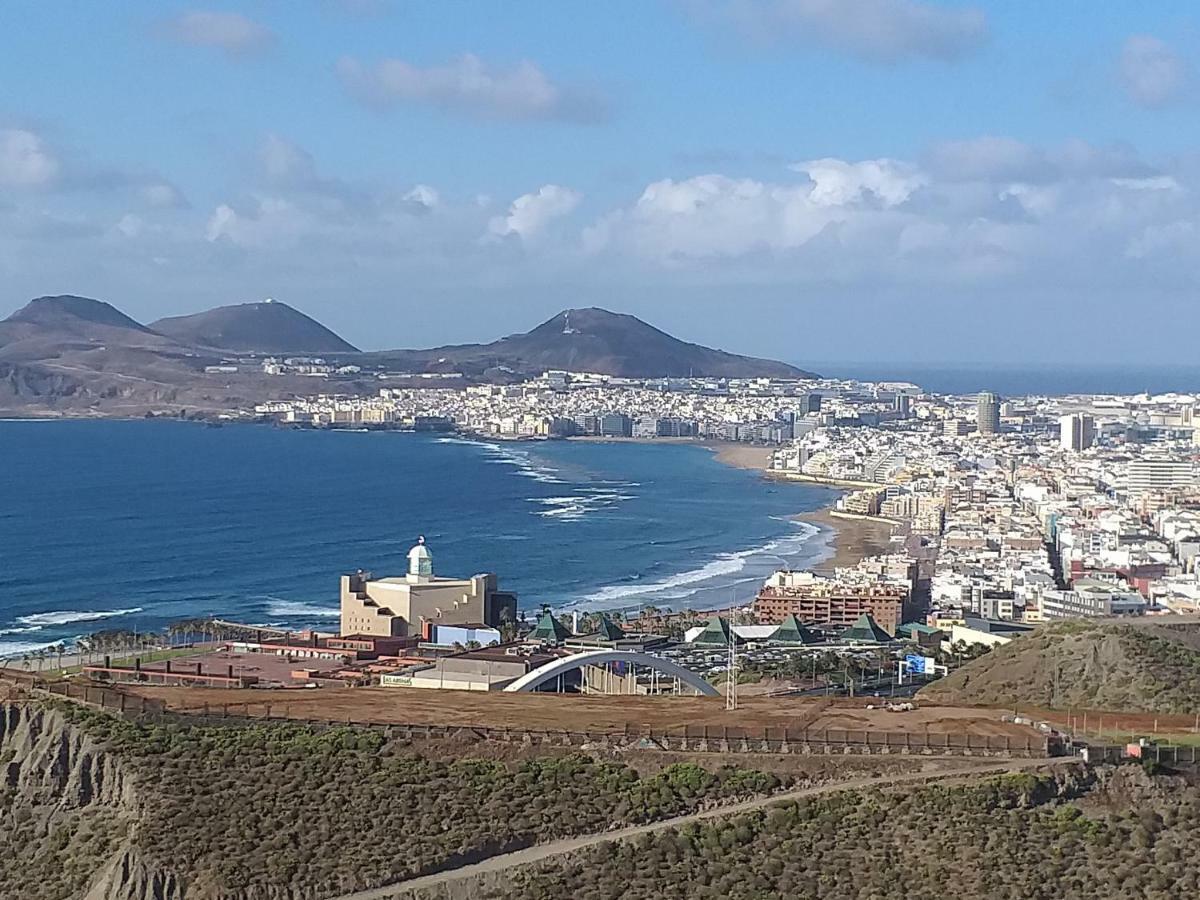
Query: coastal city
x,y
989,514
680,450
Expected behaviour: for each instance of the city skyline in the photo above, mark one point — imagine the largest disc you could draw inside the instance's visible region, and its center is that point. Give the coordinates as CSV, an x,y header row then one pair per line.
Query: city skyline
x,y
416,176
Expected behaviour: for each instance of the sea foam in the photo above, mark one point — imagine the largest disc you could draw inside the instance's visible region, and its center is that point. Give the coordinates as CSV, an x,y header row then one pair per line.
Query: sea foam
x,y
67,616
714,574
289,609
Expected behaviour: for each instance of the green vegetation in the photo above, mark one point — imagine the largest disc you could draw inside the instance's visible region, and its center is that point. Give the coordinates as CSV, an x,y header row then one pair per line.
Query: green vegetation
x,y
1012,838
1135,666
337,810
50,858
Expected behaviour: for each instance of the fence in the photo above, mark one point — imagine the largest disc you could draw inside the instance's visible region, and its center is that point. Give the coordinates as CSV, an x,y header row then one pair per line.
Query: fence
x,y
90,694
1167,754
692,738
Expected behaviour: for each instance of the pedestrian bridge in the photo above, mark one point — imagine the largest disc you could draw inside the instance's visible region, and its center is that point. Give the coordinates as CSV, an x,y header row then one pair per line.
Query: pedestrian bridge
x,y
658,666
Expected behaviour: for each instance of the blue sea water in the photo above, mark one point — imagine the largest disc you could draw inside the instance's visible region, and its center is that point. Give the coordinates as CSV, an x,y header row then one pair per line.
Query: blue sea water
x,y
1021,380
111,524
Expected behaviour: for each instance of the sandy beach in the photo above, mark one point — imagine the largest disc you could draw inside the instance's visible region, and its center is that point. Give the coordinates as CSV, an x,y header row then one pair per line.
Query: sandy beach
x,y
853,539
742,456
850,539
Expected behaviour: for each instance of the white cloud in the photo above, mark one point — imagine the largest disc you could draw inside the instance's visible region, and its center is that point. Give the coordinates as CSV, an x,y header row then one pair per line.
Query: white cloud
x,y
530,213
265,222
988,213
230,32
1151,72
25,161
721,217
469,86
838,183
882,31
423,196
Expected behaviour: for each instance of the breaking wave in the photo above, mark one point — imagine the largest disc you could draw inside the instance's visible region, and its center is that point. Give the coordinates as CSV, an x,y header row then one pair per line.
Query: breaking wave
x,y
290,609
66,617
718,574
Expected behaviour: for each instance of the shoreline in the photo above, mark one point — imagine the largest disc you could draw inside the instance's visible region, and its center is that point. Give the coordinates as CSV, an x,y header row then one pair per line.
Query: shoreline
x,y
755,457
850,540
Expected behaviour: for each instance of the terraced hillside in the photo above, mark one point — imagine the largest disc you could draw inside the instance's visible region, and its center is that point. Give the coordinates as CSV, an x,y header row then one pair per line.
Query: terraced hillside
x,y
1145,665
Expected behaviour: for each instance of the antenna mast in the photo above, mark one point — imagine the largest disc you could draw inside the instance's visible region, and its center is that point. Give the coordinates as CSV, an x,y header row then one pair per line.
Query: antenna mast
x,y
731,679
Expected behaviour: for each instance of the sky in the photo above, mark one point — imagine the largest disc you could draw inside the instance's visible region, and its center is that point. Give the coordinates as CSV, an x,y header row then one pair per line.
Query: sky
x,y
867,180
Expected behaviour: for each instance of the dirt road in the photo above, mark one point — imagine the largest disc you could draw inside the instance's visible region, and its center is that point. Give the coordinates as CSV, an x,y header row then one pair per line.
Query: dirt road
x,y
573,712
464,875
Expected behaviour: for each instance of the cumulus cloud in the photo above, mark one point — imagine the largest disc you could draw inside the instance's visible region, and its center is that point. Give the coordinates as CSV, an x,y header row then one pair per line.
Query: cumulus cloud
x,y
982,212
232,33
422,198
530,213
837,182
25,160
268,221
878,31
471,87
1151,72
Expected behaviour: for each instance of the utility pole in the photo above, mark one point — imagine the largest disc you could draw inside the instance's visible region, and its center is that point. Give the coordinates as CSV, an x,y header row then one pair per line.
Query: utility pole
x,y
731,678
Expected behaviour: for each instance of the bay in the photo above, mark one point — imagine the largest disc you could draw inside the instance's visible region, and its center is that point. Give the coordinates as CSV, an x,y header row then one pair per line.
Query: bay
x,y
132,524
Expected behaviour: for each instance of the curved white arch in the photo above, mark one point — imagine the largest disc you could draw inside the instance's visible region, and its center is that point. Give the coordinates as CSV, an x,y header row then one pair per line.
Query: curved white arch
x,y
531,681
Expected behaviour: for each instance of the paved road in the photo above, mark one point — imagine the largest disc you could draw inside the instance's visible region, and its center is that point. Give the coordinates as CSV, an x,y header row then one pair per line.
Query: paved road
x,y
541,852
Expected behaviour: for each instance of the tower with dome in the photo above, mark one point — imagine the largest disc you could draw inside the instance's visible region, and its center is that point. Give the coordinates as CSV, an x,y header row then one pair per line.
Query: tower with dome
x,y
403,606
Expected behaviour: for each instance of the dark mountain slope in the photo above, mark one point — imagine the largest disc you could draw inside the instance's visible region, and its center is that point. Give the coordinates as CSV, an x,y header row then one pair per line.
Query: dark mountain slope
x,y
590,340
266,327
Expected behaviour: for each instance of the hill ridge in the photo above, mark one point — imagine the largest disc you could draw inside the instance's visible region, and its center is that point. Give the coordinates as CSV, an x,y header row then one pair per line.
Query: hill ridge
x,y
591,339
266,326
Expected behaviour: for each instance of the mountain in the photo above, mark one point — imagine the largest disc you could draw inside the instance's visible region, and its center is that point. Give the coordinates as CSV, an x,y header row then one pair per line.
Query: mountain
x,y
1135,665
266,327
49,327
589,340
72,356
70,313
75,356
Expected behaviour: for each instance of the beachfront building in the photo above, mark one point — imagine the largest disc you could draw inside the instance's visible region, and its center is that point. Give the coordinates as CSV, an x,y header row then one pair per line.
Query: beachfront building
x,y
816,600
400,607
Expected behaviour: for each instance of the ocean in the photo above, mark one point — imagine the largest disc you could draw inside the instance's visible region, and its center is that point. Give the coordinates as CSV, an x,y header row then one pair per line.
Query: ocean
x,y
1021,380
129,524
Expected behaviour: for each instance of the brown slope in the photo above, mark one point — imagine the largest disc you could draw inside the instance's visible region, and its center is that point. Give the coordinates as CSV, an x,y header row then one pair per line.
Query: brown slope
x,y
266,327
1143,665
591,340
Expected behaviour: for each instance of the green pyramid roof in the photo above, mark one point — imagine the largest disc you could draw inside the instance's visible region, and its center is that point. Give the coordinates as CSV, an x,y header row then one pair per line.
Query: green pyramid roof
x,y
791,631
917,628
715,632
609,630
548,629
867,631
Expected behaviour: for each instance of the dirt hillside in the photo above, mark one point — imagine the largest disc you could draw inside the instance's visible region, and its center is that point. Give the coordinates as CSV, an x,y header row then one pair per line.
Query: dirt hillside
x,y
1142,665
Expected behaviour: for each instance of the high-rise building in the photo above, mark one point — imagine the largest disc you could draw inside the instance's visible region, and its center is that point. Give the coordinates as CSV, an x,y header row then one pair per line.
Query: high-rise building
x,y
1077,431
903,405
1160,474
809,403
988,413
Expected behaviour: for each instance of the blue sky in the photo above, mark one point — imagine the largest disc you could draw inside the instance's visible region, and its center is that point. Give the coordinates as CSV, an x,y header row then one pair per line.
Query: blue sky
x,y
857,179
